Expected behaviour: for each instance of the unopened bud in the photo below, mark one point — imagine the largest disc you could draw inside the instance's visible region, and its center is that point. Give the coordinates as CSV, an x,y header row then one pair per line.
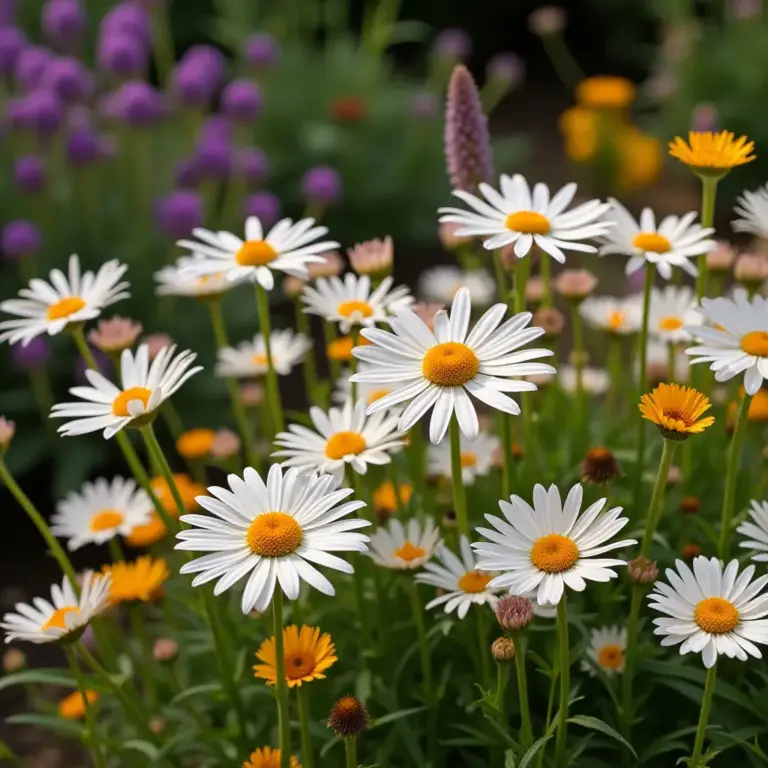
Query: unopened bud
x,y
690,505
551,320
7,431
503,649
157,725
514,613
641,570
165,649
14,659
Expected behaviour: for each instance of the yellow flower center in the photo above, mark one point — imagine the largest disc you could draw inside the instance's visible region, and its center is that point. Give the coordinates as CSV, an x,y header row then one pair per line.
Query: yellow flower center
x,y
259,359
298,665
348,308
755,343
528,222
610,656
377,395
468,459
716,615
616,320
57,619
255,253
554,553
120,404
670,323
474,582
65,307
344,444
106,519
274,534
409,552
651,241
450,364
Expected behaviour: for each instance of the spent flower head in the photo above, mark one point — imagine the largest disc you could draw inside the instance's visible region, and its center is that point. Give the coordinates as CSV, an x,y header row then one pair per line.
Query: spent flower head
x,y
503,649
348,717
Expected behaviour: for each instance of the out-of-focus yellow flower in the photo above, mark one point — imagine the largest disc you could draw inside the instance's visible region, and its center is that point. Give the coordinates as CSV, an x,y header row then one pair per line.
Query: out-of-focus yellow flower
x,y
579,127
605,92
72,707
640,158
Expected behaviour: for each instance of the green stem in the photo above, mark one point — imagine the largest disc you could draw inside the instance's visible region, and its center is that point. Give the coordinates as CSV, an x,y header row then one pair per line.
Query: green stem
x,y
501,278
172,419
484,649
507,454
284,724
545,269
92,736
708,193
273,390
355,333
706,705
522,270
578,346
307,756
40,382
614,366
630,659
671,362
526,729
158,457
162,42
565,682
329,335
562,60
459,492
426,670
139,629
350,751
657,499
310,366
642,381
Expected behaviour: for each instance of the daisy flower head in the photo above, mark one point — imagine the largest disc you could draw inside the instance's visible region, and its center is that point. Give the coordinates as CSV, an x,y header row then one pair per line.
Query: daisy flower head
x,y
100,511
712,154
607,646
477,457
249,358
404,548
343,436
442,368
752,208
64,617
144,388
369,391
619,316
307,655
675,241
180,279
50,306
676,410
595,381
287,247
139,581
266,757
711,610
552,545
463,584
526,217
273,532
671,309
351,302
755,531
441,284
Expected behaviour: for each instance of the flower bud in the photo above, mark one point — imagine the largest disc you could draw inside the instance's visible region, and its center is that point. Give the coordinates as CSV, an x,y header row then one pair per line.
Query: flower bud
x,y
7,431
14,659
503,649
165,649
551,320
690,505
514,613
641,570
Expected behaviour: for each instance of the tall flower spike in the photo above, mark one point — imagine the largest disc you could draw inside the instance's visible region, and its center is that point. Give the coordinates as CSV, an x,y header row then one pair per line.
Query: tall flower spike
x,y
467,143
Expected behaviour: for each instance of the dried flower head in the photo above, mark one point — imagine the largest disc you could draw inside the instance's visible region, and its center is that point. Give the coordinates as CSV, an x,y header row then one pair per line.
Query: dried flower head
x,y
575,284
599,466
503,649
722,258
348,717
373,257
225,445
641,570
514,613
550,319
448,238
7,431
115,334
165,649
690,551
251,394
156,343
331,266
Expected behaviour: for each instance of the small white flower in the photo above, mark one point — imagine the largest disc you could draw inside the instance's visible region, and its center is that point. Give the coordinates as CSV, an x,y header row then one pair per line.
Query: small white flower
x,y
595,381
145,387
101,511
402,548
464,584
621,316
524,217
756,532
671,309
753,208
711,610
368,391
440,284
180,279
287,247
249,358
49,307
477,457
65,614
607,646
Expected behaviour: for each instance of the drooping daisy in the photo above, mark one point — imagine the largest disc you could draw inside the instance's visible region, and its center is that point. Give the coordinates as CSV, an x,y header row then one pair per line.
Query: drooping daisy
x,y
712,154
273,531
676,410
287,247
145,387
738,342
551,546
673,243
267,757
49,307
100,511
712,610
63,617
671,309
307,655
464,585
620,316
249,358
523,216
756,532
351,302
180,279
370,392
753,209
442,368
606,649
477,457
344,436
139,581
402,548
595,381
441,284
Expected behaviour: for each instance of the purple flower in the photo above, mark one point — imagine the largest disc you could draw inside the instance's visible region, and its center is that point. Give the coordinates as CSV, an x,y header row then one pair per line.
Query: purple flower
x,y
68,79
12,43
216,128
64,23
199,75
704,118
253,164
453,43
84,147
321,185
19,115
635,281
214,159
122,54
187,173
135,103
467,143
261,50
179,213
31,64
29,174
424,105
31,356
241,101
128,18
46,112
506,66
7,13
264,205
21,238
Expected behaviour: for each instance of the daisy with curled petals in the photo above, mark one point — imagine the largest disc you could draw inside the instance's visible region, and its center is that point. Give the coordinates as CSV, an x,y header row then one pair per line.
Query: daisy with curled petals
x,y
670,310
752,207
351,302
344,436
607,646
287,247
477,457
268,758
526,217
180,279
272,532
551,546
64,617
370,391
755,532
307,653
404,548
49,307
463,584
676,410
249,358
619,316
442,368
100,511
711,610
673,243
712,154
145,387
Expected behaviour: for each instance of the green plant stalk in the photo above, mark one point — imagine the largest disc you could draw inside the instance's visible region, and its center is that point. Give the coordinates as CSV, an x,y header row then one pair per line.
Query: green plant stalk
x,y
614,366
329,335
307,756
627,680
708,195
281,686
522,270
506,419
642,381
671,362
273,390
501,278
350,752
92,734
459,492
139,629
426,668
526,729
483,647
701,730
355,333
565,682
562,60
545,269
657,498
310,366
578,347
172,419
162,42
731,473
40,383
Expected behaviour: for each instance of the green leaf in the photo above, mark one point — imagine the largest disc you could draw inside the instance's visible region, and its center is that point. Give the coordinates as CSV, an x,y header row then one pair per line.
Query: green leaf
x,y
393,716
69,728
7,754
58,677
585,721
534,750
195,690
145,747
509,759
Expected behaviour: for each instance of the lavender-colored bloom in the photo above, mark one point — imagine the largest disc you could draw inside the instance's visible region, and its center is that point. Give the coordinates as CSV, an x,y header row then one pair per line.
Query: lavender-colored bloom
x,y
322,185
21,238
199,75
506,66
704,118
467,143
122,54
68,79
253,164
31,356
129,18
135,103
7,13
214,159
453,43
84,147
12,43
64,23
179,213
241,101
46,112
424,105
635,281
19,115
30,67
187,173
29,174
261,50
216,128
264,205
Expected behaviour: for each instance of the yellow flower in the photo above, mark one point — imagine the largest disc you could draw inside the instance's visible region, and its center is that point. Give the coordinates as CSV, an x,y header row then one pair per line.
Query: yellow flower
x,y
307,655
713,153
605,92
266,757
384,499
195,443
579,127
72,707
676,410
758,408
140,580
640,159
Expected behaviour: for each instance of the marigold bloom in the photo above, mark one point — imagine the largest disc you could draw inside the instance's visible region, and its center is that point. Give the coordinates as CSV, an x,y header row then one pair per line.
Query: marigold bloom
x,y
139,580
605,92
676,410
712,153
266,757
195,444
72,707
384,500
308,654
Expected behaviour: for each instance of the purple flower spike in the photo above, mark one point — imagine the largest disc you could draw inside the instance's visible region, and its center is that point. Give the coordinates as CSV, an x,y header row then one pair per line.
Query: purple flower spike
x,y
216,128
46,112
453,43
179,213
64,23
264,205
261,51
135,103
129,18
253,164
21,238
123,55
29,174
199,75
68,79
241,101
12,43
467,143
321,185
31,356
30,67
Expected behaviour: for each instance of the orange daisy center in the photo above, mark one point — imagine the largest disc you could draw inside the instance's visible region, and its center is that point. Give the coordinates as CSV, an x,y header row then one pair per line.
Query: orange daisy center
x,y
57,619
554,553
474,582
106,519
274,534
755,343
64,307
120,403
409,552
344,444
468,459
450,364
528,222
255,253
716,615
349,308
651,241
610,656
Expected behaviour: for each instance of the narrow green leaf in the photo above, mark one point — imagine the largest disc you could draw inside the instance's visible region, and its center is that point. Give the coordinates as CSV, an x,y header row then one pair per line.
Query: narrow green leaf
x,y
509,759
196,690
392,716
139,745
69,728
58,677
585,721
534,750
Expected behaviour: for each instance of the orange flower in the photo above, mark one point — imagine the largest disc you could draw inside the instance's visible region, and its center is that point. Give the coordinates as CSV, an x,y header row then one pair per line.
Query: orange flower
x,y
605,92
712,153
307,654
137,581
266,757
195,444
72,707
676,410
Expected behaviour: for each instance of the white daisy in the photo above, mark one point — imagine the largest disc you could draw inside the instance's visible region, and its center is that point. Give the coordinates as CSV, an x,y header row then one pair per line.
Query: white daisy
x,y
273,531
464,584
440,284
756,532
753,208
63,617
524,217
343,436
369,391
607,646
402,548
672,308
442,368
477,457
550,546
711,610
101,511
595,381
49,307
672,244
249,358
620,316
350,302
145,387
287,247
180,279
737,339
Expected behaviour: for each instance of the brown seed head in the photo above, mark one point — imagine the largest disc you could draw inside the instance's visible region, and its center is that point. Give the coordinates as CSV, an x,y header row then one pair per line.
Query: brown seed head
x,y
348,717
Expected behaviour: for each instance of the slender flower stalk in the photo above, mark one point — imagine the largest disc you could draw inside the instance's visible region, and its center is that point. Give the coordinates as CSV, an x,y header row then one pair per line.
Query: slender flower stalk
x,y
630,656
522,270
92,733
350,752
281,686
459,492
545,269
708,195
426,670
310,367
643,379
578,348
307,756
657,499
526,729
565,682
701,730
273,390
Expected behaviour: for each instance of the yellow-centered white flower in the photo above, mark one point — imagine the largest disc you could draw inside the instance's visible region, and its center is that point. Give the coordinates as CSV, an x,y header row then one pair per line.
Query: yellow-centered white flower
x,y
477,457
249,358
671,309
370,391
440,284
180,279
620,316
404,548
752,207
606,649
755,531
